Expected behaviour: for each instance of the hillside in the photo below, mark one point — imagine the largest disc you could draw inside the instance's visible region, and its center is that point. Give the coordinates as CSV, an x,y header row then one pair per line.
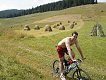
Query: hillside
x,y
7,13
29,54
59,5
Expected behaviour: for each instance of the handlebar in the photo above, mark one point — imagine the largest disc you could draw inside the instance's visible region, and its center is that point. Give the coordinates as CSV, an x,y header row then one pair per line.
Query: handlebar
x,y
74,61
78,60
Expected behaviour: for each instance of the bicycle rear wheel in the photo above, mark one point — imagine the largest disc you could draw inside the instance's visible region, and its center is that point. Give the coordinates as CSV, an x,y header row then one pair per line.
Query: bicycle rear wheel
x,y
80,74
56,69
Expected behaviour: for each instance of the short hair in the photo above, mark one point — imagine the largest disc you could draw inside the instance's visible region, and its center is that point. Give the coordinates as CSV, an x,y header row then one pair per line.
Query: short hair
x,y
75,33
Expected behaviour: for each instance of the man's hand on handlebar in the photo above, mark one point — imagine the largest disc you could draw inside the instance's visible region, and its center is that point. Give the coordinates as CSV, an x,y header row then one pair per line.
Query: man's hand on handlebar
x,y
79,60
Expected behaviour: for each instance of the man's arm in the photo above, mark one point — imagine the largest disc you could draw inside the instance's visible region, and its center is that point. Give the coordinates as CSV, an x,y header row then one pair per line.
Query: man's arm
x,y
79,49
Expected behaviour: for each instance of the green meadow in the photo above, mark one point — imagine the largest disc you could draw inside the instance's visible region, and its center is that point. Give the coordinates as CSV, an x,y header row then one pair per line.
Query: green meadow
x,y
28,55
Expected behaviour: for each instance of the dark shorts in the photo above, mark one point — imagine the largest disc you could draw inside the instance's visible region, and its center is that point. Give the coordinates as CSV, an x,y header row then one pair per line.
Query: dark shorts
x,y
61,51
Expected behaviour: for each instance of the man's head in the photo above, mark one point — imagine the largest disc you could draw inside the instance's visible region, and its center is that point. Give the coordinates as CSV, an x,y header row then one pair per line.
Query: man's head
x,y
75,34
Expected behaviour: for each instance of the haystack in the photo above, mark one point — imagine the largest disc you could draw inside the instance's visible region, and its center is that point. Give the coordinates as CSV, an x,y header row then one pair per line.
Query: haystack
x,y
60,23
72,25
75,23
27,28
61,27
36,27
97,30
48,28
68,21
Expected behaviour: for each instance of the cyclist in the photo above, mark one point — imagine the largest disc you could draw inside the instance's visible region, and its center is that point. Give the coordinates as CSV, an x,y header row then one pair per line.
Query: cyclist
x,y
64,47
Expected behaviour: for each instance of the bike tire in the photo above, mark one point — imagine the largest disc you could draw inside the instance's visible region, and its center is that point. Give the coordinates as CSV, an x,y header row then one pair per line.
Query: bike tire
x,y
56,69
80,74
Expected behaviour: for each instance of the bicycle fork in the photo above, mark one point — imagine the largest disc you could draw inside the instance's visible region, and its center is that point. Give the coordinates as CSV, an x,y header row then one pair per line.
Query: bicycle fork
x,y
79,76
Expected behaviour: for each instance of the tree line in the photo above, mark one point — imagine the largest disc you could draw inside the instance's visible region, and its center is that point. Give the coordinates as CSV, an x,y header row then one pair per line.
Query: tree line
x,y
46,7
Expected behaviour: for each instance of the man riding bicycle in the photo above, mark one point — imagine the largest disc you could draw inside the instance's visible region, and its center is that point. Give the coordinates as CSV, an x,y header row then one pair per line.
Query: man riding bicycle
x,y
64,47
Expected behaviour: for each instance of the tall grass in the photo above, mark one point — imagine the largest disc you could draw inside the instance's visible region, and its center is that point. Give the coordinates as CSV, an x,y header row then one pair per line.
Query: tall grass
x,y
11,69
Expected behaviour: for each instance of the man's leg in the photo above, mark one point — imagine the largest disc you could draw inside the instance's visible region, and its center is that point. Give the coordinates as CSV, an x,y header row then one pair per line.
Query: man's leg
x,y
62,68
61,65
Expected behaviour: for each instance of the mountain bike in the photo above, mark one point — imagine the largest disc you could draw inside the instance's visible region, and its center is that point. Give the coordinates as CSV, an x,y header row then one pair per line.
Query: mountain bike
x,y
78,74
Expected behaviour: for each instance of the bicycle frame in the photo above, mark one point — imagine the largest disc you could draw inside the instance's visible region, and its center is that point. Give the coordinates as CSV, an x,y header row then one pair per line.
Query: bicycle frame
x,y
67,70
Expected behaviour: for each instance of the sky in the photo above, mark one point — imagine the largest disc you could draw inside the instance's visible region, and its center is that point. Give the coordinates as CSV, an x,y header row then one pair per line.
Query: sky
x,y
25,4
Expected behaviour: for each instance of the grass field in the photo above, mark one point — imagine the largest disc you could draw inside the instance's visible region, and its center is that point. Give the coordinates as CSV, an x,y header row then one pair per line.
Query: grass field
x,y
28,55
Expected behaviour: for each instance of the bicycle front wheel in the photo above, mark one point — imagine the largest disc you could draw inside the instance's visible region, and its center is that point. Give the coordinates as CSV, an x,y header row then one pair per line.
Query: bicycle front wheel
x,y
80,74
56,69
